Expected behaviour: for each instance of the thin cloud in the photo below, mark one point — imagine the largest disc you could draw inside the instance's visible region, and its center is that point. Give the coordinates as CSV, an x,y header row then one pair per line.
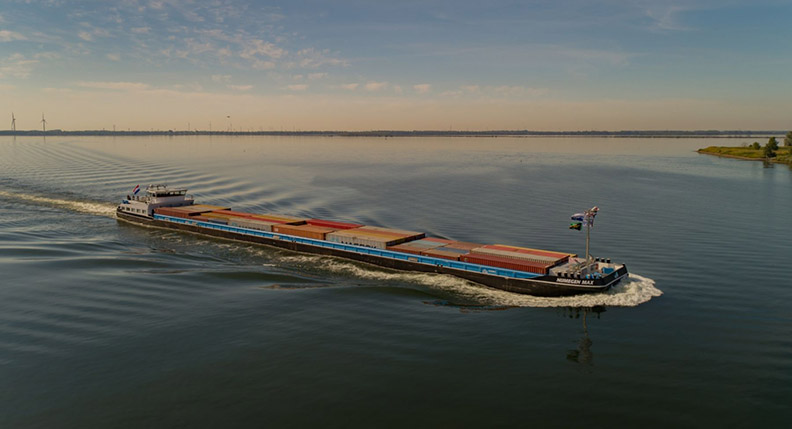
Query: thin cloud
x,y
666,17
57,90
311,58
350,86
375,86
17,66
221,78
8,36
124,86
263,65
259,47
113,57
470,88
240,87
298,87
88,37
519,91
422,88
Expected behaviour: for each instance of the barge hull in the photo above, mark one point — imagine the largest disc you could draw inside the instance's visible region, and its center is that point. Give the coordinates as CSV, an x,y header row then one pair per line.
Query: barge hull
x,y
549,286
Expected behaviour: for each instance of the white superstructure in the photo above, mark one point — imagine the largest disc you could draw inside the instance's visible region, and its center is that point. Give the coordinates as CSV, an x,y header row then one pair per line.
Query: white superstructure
x,y
156,196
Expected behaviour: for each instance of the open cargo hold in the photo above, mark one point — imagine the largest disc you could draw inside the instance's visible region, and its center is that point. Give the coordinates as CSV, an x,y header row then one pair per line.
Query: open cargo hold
x,y
440,253
509,263
252,224
524,256
307,231
333,224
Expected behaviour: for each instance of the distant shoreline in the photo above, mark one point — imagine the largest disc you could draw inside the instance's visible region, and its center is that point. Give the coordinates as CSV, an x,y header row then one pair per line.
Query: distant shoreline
x,y
394,133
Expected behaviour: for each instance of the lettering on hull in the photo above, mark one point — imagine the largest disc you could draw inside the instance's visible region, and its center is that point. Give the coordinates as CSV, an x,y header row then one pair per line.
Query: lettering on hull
x,y
576,282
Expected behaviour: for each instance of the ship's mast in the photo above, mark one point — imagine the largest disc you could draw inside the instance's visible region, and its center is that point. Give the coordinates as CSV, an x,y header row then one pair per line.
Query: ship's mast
x,y
588,244
588,220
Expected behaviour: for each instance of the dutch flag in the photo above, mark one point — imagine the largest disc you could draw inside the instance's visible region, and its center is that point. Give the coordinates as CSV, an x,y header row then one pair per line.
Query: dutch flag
x,y
136,190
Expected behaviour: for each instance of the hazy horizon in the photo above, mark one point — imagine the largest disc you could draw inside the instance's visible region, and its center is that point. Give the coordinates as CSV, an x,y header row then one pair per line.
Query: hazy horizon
x,y
358,66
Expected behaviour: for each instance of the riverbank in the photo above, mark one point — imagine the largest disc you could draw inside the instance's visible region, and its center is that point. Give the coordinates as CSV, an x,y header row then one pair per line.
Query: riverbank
x,y
783,154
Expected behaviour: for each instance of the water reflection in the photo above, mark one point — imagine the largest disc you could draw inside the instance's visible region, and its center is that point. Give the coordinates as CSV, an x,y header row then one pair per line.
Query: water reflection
x,y
583,354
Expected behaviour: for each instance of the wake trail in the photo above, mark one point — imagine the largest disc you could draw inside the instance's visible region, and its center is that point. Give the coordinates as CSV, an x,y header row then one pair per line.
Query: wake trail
x,y
630,292
89,207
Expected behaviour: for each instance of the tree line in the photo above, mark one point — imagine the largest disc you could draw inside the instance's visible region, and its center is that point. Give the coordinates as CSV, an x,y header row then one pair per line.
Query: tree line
x,y
769,149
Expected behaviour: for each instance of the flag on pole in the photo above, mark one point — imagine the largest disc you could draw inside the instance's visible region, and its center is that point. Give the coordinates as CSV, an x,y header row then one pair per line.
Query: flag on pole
x,y
136,190
586,218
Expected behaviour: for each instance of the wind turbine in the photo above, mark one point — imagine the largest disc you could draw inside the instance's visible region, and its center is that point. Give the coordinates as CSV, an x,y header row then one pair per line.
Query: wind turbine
x,y
13,122
43,123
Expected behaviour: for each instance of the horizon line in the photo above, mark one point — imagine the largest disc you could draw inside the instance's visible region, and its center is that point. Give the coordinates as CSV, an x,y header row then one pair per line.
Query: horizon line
x,y
407,133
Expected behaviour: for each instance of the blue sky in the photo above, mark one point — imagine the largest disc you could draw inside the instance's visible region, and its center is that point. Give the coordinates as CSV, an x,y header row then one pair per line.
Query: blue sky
x,y
544,65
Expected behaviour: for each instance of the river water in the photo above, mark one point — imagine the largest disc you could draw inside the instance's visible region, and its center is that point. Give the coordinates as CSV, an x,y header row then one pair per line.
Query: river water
x,y
107,324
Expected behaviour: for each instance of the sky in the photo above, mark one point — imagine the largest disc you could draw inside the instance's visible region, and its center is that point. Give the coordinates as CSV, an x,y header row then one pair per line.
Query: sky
x,y
396,65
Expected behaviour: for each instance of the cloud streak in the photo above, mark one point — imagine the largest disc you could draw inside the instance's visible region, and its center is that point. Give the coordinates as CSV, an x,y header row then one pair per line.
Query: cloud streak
x,y
422,88
8,36
17,66
472,54
119,86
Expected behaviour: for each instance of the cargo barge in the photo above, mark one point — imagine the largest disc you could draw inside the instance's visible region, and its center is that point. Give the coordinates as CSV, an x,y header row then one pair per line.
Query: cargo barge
x,y
509,268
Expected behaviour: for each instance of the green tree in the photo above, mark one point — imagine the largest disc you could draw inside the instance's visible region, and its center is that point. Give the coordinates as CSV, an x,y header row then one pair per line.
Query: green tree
x,y
756,146
773,143
768,151
788,139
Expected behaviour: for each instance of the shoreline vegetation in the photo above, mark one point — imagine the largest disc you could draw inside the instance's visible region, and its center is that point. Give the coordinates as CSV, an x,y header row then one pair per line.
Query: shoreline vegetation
x,y
769,153
397,133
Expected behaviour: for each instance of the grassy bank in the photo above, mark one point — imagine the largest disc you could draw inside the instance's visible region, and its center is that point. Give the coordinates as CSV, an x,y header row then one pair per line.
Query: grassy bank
x,y
783,154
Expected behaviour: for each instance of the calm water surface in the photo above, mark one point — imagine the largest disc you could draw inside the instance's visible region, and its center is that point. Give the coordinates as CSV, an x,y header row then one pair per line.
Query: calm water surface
x,y
106,324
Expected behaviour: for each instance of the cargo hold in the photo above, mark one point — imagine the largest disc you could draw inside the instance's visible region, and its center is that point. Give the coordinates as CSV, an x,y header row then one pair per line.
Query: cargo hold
x,y
333,224
511,264
307,231
526,256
